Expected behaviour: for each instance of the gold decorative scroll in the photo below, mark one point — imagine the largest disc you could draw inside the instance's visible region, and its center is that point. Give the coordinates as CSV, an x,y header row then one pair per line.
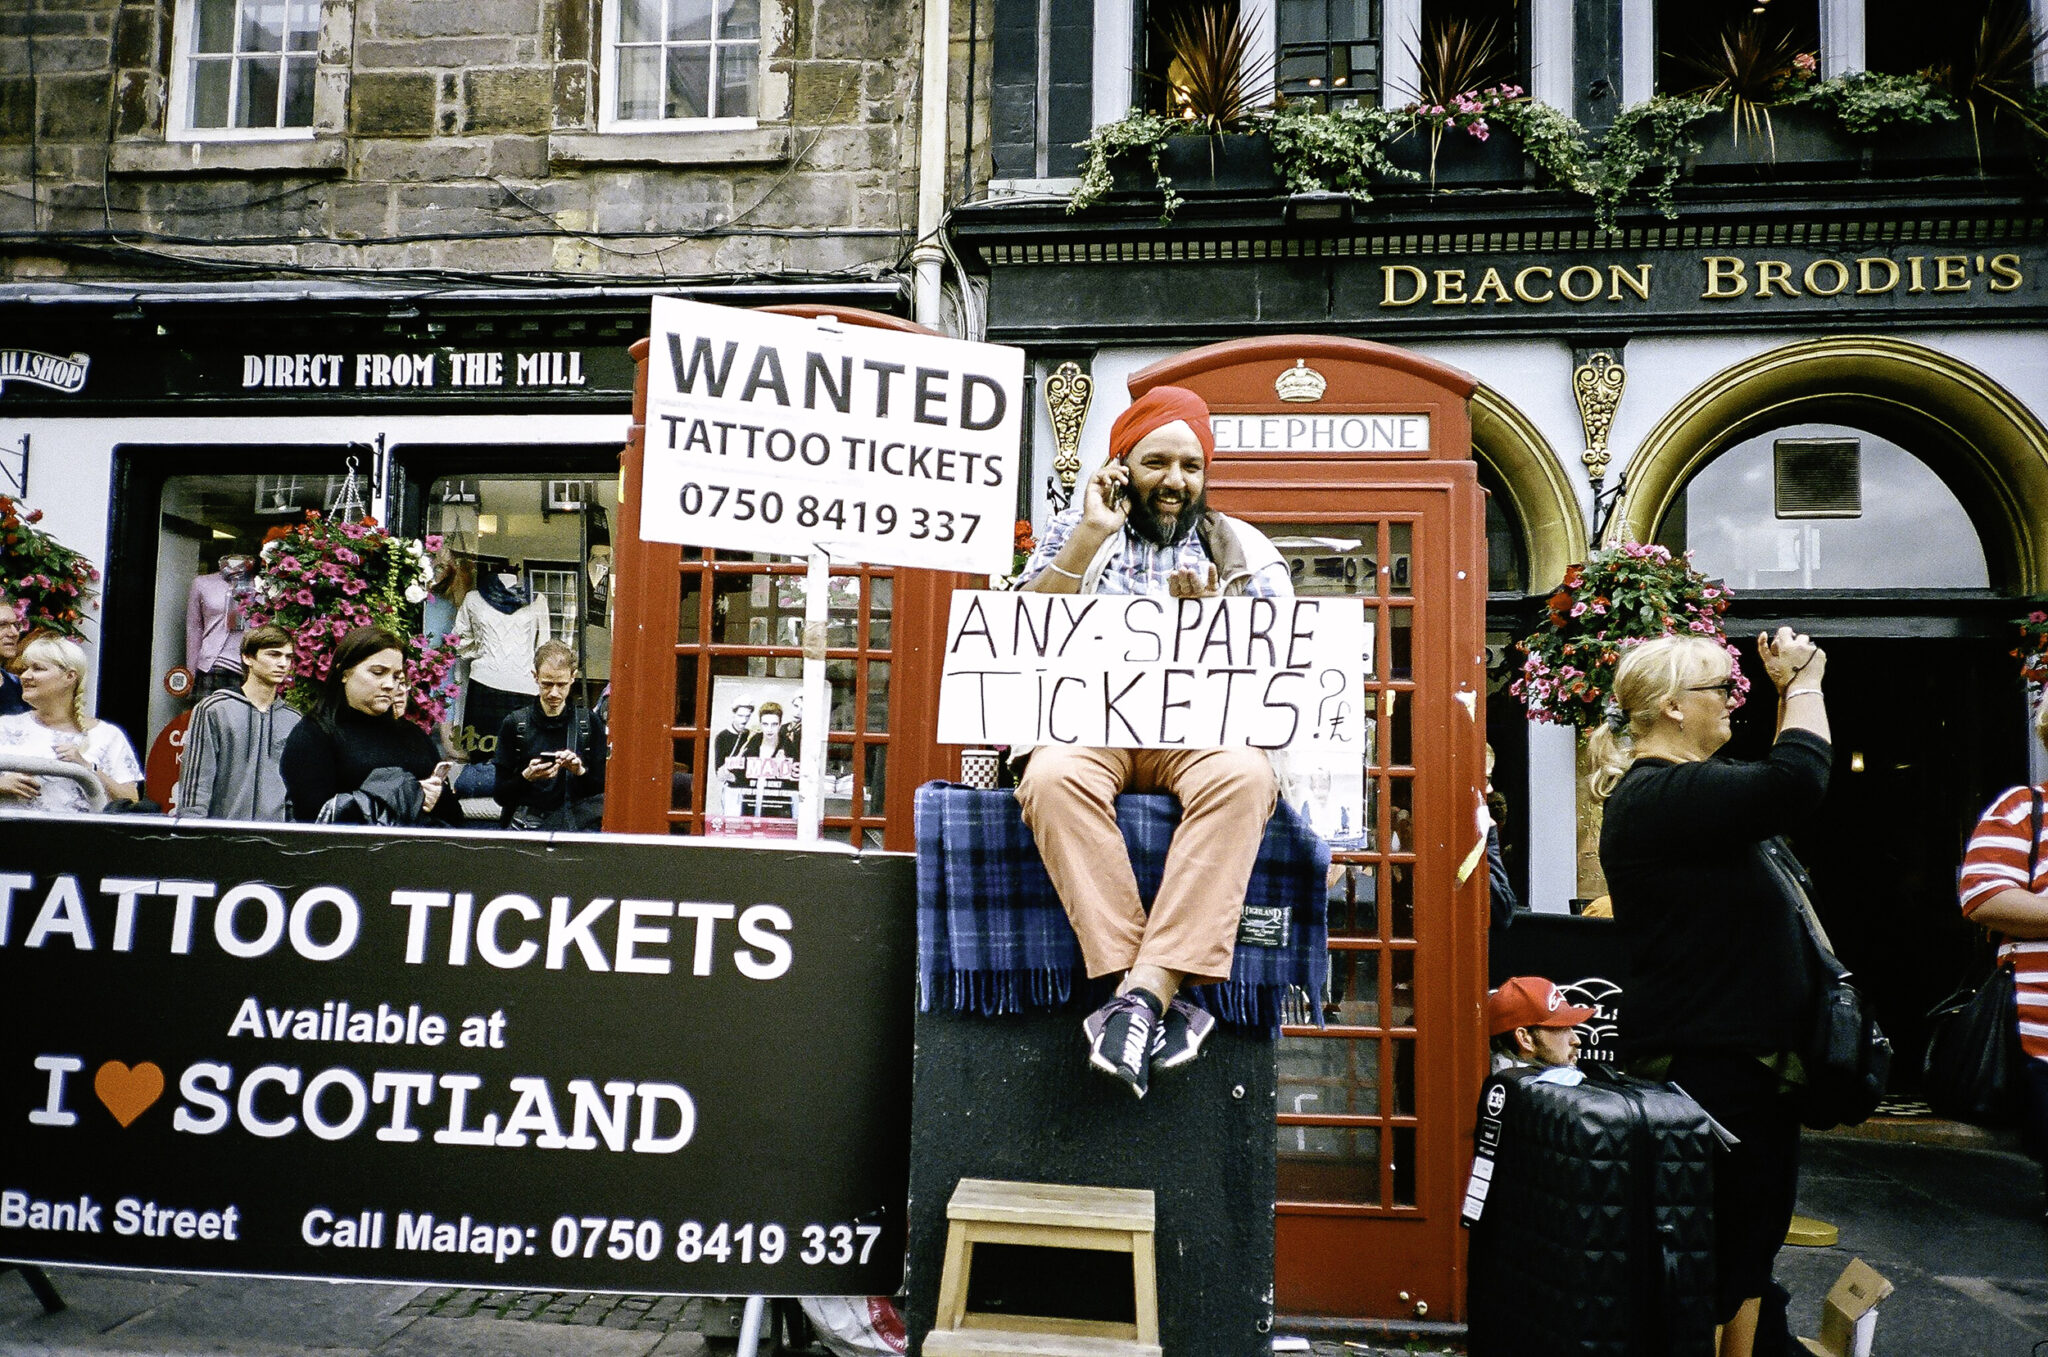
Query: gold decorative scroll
x,y
1596,385
1068,394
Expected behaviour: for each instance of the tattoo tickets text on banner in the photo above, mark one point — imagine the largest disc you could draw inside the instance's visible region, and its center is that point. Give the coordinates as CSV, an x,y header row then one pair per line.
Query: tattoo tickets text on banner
x,y
347,1054
1121,671
770,433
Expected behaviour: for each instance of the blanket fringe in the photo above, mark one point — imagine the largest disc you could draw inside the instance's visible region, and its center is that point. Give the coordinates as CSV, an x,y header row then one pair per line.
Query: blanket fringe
x,y
992,994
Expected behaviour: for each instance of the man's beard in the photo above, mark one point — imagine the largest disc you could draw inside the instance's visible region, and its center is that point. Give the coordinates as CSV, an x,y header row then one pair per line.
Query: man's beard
x,y
1164,530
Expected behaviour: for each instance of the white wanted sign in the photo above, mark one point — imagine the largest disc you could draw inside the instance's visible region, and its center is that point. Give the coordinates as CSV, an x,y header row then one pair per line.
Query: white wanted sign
x,y
772,433
1141,671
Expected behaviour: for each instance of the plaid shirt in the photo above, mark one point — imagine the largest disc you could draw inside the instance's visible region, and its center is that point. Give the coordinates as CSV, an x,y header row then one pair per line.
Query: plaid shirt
x,y
1140,566
992,937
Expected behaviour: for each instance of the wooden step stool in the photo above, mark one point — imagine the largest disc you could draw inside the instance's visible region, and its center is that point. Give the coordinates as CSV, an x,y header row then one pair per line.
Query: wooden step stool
x,y
1046,1215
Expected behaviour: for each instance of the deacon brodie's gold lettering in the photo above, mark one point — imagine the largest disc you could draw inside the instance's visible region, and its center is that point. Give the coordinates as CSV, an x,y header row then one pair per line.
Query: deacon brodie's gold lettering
x,y
1406,285
1728,277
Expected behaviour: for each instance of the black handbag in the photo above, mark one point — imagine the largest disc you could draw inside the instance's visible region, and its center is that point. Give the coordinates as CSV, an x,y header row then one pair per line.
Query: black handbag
x,y
1971,1071
1846,1057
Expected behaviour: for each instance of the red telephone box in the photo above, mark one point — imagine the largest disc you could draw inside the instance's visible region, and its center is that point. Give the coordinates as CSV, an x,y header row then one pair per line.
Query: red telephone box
x,y
1355,458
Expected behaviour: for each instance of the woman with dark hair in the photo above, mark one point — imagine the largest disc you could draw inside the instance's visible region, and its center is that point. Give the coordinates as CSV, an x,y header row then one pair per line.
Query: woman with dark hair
x,y
353,743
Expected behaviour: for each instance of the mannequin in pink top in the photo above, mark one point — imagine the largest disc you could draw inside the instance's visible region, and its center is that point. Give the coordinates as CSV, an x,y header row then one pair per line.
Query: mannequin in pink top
x,y
213,624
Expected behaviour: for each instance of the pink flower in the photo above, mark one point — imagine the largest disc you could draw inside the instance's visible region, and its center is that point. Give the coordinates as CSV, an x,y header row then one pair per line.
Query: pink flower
x,y
304,598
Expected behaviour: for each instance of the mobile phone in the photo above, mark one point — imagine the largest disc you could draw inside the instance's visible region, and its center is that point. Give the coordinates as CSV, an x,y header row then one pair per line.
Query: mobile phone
x,y
1115,497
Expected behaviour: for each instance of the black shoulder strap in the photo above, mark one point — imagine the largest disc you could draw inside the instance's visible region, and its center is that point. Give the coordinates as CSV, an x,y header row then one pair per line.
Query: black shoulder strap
x,y
2033,835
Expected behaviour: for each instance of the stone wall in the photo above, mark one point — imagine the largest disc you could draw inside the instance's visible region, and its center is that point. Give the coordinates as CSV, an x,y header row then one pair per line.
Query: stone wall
x,y
458,136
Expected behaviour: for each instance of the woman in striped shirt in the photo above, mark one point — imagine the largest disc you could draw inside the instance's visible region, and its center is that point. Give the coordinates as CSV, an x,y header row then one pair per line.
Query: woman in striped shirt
x,y
1995,891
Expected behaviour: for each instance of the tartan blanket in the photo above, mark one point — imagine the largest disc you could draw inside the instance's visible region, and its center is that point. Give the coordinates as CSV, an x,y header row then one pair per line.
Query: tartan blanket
x,y
992,937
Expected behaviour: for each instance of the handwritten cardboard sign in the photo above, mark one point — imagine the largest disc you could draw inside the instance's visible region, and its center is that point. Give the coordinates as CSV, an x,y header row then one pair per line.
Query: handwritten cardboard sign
x,y
1147,672
770,433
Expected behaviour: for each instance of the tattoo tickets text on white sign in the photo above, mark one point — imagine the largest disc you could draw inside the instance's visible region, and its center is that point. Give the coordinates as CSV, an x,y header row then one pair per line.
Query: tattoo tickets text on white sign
x,y
770,433
1145,672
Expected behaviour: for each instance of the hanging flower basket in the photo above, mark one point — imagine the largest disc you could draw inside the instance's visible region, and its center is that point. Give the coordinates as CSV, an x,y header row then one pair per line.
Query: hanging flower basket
x,y
53,584
1615,599
2032,651
326,577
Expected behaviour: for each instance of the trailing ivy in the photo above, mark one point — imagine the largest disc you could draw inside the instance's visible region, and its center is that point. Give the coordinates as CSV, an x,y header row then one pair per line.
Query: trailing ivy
x,y
1869,102
1646,148
1135,134
1641,158
1340,151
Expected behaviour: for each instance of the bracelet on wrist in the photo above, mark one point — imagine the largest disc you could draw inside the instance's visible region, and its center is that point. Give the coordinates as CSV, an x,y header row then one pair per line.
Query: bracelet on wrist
x,y
1791,693
1059,569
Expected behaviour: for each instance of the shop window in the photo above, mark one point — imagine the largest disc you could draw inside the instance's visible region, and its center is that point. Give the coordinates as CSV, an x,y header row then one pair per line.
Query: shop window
x,y
1507,557
1469,45
1898,526
739,702
1328,50
537,552
1041,87
1749,47
244,68
1987,41
671,64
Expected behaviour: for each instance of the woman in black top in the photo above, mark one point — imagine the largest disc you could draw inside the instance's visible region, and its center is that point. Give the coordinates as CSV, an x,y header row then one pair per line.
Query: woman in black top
x,y
1718,988
351,732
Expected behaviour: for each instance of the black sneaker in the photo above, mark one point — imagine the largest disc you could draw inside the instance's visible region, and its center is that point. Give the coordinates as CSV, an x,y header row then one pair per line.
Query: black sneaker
x,y
1120,1039
1180,1034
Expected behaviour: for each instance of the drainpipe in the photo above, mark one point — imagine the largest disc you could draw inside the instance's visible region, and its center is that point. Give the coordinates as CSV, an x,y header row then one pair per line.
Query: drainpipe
x,y
927,259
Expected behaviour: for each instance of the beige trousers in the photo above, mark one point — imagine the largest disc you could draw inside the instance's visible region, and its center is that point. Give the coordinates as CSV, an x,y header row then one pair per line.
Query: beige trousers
x,y
1068,796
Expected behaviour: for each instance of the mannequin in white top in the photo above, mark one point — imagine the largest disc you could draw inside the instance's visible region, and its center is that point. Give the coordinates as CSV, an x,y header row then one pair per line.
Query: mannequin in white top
x,y
501,629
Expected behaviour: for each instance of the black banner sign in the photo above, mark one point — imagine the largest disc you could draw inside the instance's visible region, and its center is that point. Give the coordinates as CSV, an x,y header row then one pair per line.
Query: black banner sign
x,y
589,1064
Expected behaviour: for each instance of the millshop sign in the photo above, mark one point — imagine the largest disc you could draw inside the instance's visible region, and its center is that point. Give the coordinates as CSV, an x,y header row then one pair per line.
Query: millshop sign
x,y
44,369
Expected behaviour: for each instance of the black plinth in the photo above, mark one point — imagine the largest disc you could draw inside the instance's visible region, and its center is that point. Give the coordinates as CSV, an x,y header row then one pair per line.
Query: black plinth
x,y
1013,1098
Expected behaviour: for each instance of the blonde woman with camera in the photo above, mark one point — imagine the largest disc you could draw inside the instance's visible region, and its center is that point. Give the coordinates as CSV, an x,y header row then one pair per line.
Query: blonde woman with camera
x,y
1719,990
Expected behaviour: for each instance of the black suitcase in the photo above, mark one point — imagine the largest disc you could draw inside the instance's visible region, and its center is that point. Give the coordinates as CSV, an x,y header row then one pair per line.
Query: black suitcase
x,y
1591,1209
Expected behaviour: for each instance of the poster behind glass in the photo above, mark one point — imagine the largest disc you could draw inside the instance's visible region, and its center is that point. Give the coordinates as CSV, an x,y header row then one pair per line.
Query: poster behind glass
x,y
756,757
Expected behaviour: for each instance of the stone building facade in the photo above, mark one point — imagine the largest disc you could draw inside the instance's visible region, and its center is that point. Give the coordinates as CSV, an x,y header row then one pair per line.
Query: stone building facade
x,y
454,136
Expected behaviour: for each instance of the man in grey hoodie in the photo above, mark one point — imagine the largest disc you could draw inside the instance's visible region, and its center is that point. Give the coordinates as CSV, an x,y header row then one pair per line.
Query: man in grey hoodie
x,y
230,766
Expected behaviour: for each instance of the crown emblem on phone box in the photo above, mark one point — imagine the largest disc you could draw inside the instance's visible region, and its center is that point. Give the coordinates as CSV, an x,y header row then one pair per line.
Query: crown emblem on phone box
x,y
1300,384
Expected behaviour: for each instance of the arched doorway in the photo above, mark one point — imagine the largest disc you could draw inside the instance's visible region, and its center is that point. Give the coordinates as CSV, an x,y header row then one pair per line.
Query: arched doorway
x,y
1535,528
1892,501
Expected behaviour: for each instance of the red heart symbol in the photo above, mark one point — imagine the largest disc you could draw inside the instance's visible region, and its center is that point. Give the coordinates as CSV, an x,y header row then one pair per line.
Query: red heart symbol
x,y
128,1093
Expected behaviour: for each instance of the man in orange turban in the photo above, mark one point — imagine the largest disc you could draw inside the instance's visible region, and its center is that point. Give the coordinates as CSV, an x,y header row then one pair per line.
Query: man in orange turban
x,y
1144,527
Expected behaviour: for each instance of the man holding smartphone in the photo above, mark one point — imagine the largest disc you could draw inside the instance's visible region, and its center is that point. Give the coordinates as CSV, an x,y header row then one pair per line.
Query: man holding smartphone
x,y
1144,527
551,754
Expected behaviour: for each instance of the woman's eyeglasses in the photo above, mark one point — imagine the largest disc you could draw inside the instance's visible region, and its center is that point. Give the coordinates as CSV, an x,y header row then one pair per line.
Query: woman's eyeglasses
x,y
1726,688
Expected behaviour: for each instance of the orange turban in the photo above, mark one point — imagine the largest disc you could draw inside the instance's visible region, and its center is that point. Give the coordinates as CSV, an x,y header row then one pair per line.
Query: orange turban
x,y
1156,409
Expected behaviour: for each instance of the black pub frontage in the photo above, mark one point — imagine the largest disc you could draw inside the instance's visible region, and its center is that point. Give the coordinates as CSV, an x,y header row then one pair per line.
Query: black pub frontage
x,y
1827,391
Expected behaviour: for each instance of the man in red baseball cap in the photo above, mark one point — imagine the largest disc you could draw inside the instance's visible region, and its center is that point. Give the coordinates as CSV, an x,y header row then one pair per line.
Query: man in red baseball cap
x,y
1529,1023
1144,527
